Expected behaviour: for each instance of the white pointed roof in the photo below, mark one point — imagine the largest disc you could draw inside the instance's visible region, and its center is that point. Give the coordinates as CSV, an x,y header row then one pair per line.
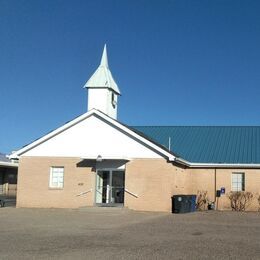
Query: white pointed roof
x,y
102,77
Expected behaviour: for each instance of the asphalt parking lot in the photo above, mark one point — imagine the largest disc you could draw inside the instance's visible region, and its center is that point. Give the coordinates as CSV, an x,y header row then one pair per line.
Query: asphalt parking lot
x,y
104,233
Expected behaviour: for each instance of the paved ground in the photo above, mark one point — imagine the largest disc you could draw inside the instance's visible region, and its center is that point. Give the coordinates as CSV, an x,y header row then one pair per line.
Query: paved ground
x,y
124,234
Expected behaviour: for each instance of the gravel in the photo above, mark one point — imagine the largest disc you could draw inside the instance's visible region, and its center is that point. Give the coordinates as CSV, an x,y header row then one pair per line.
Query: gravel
x,y
114,233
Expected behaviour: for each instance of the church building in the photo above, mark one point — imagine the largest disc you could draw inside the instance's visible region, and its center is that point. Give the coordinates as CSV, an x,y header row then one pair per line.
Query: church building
x,y
95,160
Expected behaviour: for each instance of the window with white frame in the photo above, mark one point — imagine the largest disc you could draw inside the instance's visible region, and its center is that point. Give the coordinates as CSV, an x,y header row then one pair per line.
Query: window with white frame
x,y
238,181
56,177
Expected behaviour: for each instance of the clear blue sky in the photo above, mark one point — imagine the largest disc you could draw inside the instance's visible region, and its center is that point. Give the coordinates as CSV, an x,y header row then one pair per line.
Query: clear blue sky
x,y
176,62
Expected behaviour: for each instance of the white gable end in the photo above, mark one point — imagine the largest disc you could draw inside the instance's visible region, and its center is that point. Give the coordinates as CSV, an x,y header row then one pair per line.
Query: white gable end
x,y
92,137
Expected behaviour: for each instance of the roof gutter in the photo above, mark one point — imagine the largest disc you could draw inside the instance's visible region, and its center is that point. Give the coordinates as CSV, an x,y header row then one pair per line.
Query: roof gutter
x,y
217,165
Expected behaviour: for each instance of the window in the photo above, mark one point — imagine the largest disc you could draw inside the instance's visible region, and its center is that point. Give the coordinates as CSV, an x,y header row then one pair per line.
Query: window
x,y
112,97
56,177
238,181
113,100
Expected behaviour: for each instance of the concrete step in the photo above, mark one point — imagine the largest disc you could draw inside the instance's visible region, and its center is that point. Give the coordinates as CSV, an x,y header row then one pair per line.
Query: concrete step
x,y
102,209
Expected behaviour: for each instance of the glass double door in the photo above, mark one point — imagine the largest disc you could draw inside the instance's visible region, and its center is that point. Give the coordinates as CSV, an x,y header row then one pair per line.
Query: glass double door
x,y
110,187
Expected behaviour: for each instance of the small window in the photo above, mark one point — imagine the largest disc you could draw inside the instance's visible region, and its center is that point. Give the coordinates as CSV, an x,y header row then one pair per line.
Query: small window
x,y
113,100
56,177
238,181
113,97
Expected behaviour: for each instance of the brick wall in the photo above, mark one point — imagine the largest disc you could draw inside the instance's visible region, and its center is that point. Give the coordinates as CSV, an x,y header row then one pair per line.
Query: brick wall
x,y
154,181
33,183
204,179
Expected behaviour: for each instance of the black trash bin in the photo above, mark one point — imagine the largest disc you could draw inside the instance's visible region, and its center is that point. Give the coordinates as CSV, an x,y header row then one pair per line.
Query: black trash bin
x,y
183,203
193,202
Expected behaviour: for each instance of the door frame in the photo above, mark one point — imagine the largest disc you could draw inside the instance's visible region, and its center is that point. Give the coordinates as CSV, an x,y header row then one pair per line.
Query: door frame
x,y
110,204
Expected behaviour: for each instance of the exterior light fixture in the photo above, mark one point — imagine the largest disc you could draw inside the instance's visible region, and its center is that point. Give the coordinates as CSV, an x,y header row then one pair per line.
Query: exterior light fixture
x,y
99,158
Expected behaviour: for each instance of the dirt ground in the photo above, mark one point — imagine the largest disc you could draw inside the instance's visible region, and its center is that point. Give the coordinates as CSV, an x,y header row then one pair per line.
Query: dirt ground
x,y
107,233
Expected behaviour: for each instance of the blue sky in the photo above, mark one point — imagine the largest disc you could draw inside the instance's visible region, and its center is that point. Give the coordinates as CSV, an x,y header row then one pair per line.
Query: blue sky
x,y
176,62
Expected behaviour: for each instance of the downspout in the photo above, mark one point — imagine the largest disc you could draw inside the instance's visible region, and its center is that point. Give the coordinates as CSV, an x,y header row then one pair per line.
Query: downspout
x,y
215,189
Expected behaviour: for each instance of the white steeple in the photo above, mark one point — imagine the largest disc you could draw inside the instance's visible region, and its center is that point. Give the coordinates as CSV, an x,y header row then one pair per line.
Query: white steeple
x,y
102,89
104,61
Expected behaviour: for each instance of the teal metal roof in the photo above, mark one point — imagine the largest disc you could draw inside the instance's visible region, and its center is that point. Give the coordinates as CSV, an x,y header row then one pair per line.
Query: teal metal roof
x,y
208,144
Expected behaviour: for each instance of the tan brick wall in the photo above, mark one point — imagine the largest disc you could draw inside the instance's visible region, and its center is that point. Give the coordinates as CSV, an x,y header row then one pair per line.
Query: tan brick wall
x,y
33,183
153,180
204,179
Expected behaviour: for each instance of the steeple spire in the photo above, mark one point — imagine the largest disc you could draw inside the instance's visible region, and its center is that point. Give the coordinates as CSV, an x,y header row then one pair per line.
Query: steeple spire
x,y
102,77
103,91
104,61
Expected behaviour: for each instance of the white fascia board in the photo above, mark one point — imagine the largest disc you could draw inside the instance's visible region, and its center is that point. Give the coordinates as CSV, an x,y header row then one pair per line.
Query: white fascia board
x,y
224,165
9,164
125,129
217,165
91,157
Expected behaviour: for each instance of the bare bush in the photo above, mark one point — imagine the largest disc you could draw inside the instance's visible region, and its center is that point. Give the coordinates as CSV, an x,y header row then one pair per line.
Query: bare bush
x,y
202,200
258,200
240,200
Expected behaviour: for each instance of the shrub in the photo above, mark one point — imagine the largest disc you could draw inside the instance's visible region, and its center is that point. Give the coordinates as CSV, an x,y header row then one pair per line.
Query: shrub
x,y
240,200
202,200
258,199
